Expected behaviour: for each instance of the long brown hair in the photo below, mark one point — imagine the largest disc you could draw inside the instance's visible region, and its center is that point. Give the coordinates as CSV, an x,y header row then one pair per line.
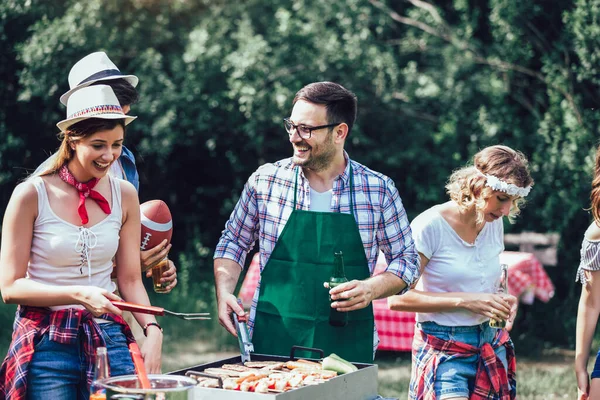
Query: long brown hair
x,y
595,193
75,132
467,186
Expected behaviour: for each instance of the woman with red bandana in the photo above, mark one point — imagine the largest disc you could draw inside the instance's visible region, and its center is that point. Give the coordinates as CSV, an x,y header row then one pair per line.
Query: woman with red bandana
x,y
60,234
457,354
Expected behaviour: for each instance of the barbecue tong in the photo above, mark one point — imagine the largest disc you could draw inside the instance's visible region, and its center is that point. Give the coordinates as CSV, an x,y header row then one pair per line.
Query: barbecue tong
x,y
244,341
122,305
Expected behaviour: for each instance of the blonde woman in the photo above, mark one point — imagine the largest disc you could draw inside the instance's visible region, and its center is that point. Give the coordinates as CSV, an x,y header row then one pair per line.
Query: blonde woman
x,y
456,354
60,234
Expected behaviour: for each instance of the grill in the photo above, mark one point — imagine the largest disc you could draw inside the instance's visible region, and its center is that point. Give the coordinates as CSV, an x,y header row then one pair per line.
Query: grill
x,y
357,385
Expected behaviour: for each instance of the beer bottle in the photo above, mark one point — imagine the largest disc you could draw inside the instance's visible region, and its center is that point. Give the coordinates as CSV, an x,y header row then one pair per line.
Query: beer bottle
x,y
337,318
97,392
502,288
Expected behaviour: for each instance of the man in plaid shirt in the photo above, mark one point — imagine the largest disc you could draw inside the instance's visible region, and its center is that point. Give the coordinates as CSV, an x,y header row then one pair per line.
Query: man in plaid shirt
x,y
326,202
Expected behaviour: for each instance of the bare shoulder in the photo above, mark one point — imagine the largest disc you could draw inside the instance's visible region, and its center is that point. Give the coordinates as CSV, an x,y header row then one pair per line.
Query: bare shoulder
x,y
593,232
128,191
25,193
23,203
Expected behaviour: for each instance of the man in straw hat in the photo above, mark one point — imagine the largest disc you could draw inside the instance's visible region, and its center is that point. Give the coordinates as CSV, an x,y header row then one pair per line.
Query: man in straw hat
x,y
60,234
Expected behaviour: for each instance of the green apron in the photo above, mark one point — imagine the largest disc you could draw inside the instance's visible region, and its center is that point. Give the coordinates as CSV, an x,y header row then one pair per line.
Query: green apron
x,y
293,306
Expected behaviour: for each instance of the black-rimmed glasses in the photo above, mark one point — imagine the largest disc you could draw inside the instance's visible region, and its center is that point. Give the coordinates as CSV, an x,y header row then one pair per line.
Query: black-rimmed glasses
x,y
304,131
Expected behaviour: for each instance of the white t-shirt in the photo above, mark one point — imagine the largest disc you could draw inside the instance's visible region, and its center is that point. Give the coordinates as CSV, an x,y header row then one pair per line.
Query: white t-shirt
x,y
455,265
320,201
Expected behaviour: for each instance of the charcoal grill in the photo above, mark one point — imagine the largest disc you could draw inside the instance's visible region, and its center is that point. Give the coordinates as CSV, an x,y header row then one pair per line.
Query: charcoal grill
x,y
357,385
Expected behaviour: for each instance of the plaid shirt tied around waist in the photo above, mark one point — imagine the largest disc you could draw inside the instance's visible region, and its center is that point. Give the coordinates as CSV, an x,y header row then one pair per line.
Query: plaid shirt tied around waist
x,y
491,383
62,326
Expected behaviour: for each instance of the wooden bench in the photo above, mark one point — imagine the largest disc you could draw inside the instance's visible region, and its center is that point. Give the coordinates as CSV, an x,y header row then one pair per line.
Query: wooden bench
x,y
542,245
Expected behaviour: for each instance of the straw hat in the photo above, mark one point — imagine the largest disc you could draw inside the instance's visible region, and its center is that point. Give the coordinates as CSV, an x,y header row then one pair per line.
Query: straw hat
x,y
98,101
93,68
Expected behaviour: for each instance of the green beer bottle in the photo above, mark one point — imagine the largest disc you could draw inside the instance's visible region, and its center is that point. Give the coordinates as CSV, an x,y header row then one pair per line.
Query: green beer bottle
x,y
337,318
502,288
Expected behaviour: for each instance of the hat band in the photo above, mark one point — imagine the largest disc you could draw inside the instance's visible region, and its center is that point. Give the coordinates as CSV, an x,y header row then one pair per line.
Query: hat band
x,y
102,74
103,109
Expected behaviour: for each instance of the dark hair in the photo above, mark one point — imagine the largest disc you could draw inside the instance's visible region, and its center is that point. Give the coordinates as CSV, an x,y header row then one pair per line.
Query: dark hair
x,y
79,130
125,92
339,102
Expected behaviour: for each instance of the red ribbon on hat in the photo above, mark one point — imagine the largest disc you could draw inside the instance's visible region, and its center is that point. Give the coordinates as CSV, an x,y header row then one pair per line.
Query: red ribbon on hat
x,y
85,190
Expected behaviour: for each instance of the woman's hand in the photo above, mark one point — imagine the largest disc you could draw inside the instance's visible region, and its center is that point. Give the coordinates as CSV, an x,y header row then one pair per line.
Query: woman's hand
x,y
494,306
97,300
513,310
152,350
150,257
583,385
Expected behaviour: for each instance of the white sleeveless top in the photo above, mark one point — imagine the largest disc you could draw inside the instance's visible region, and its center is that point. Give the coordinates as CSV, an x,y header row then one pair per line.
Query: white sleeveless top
x,y
65,254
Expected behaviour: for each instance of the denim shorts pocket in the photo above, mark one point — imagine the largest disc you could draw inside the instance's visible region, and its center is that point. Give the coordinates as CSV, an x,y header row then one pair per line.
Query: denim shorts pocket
x,y
42,341
112,334
438,331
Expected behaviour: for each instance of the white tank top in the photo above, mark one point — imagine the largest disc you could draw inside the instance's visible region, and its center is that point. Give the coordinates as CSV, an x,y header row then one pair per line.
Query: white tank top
x,y
65,254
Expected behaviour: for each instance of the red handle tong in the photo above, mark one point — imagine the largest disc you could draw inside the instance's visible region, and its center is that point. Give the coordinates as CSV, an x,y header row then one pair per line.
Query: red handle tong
x,y
123,305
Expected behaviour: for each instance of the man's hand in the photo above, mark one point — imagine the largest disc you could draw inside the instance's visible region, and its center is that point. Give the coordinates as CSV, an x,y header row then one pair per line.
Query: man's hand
x,y
169,276
351,296
154,255
226,304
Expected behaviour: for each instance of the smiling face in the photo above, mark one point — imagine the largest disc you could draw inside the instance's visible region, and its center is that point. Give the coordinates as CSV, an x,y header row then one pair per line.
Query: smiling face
x,y
317,152
94,154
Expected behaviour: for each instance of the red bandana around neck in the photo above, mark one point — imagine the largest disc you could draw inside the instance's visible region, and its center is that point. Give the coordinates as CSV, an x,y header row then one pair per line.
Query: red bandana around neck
x,y
85,190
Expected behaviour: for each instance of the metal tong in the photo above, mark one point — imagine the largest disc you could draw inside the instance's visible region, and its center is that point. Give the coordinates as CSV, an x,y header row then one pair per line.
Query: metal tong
x,y
123,305
244,341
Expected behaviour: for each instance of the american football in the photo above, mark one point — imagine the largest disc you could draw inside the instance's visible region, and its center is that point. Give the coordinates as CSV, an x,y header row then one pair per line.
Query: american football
x,y
157,223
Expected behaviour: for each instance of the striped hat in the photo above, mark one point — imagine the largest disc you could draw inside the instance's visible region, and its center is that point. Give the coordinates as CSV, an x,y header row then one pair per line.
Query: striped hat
x,y
93,68
98,101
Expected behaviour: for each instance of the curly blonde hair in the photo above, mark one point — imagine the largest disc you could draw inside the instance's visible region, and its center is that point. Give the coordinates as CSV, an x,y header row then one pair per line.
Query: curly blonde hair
x,y
467,188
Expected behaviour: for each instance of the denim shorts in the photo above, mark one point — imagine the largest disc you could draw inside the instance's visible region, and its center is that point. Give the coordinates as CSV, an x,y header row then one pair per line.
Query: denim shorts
x,y
456,377
596,371
58,371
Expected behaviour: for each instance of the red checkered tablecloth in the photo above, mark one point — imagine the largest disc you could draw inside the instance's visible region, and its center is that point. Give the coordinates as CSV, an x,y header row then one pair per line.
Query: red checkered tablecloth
x,y
526,279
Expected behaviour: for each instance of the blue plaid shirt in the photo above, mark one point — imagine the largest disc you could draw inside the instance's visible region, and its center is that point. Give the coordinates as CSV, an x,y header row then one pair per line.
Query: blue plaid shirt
x,y
267,203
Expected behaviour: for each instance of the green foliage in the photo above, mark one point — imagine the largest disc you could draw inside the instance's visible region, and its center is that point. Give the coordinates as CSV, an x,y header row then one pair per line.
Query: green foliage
x,y
435,82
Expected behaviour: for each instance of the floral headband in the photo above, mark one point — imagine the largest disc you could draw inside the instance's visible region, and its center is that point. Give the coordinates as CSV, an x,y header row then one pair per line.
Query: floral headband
x,y
509,188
